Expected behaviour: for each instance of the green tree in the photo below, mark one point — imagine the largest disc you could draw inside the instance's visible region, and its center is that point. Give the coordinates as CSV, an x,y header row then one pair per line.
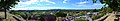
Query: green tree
x,y
46,13
33,13
82,13
7,4
12,11
61,14
113,4
105,10
95,10
109,10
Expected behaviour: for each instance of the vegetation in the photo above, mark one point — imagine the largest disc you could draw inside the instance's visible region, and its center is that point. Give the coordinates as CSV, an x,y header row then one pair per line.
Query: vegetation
x,y
33,13
109,10
7,4
98,16
21,14
112,4
81,20
38,16
46,13
61,14
95,10
82,13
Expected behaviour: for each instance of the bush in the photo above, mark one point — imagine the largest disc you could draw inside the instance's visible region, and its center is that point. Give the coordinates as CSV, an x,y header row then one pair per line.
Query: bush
x,y
98,16
61,14
82,13
21,14
39,16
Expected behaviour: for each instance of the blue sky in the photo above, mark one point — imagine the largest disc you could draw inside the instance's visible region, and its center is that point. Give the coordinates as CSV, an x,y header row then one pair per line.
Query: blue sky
x,y
56,4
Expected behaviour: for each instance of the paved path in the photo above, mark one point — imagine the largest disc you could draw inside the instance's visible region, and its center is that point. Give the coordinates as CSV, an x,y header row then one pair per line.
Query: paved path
x,y
111,17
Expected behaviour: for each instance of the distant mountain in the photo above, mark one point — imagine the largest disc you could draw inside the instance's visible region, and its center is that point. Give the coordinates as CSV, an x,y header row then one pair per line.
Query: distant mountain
x,y
54,10
71,9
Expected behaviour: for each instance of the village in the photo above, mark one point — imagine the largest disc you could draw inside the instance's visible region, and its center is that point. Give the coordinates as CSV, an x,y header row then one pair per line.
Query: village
x,y
59,10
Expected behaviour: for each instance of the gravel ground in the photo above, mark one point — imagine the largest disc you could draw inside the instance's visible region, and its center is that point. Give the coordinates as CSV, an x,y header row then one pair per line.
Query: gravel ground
x,y
9,17
111,17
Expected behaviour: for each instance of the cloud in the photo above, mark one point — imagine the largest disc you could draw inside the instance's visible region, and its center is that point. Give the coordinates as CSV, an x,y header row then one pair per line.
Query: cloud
x,y
96,5
47,1
38,4
92,6
65,1
41,5
34,1
42,8
82,2
23,4
37,8
48,4
19,9
77,5
28,2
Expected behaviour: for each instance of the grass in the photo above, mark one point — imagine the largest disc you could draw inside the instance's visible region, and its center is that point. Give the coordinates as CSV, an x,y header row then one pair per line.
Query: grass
x,y
98,16
81,20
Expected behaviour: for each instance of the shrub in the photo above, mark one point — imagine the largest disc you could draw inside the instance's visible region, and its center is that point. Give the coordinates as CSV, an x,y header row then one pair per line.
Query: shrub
x,y
98,16
61,14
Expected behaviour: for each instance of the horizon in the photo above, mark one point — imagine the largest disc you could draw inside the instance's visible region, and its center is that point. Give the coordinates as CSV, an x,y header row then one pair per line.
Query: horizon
x,y
56,4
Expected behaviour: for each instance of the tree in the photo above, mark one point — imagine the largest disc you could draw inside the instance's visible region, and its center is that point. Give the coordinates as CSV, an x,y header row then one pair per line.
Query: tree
x,y
7,4
46,13
12,12
95,10
33,13
106,10
82,13
109,10
112,4
61,14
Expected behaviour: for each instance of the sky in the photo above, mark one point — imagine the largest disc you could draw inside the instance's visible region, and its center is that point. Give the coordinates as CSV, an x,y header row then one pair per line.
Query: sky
x,y
56,4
